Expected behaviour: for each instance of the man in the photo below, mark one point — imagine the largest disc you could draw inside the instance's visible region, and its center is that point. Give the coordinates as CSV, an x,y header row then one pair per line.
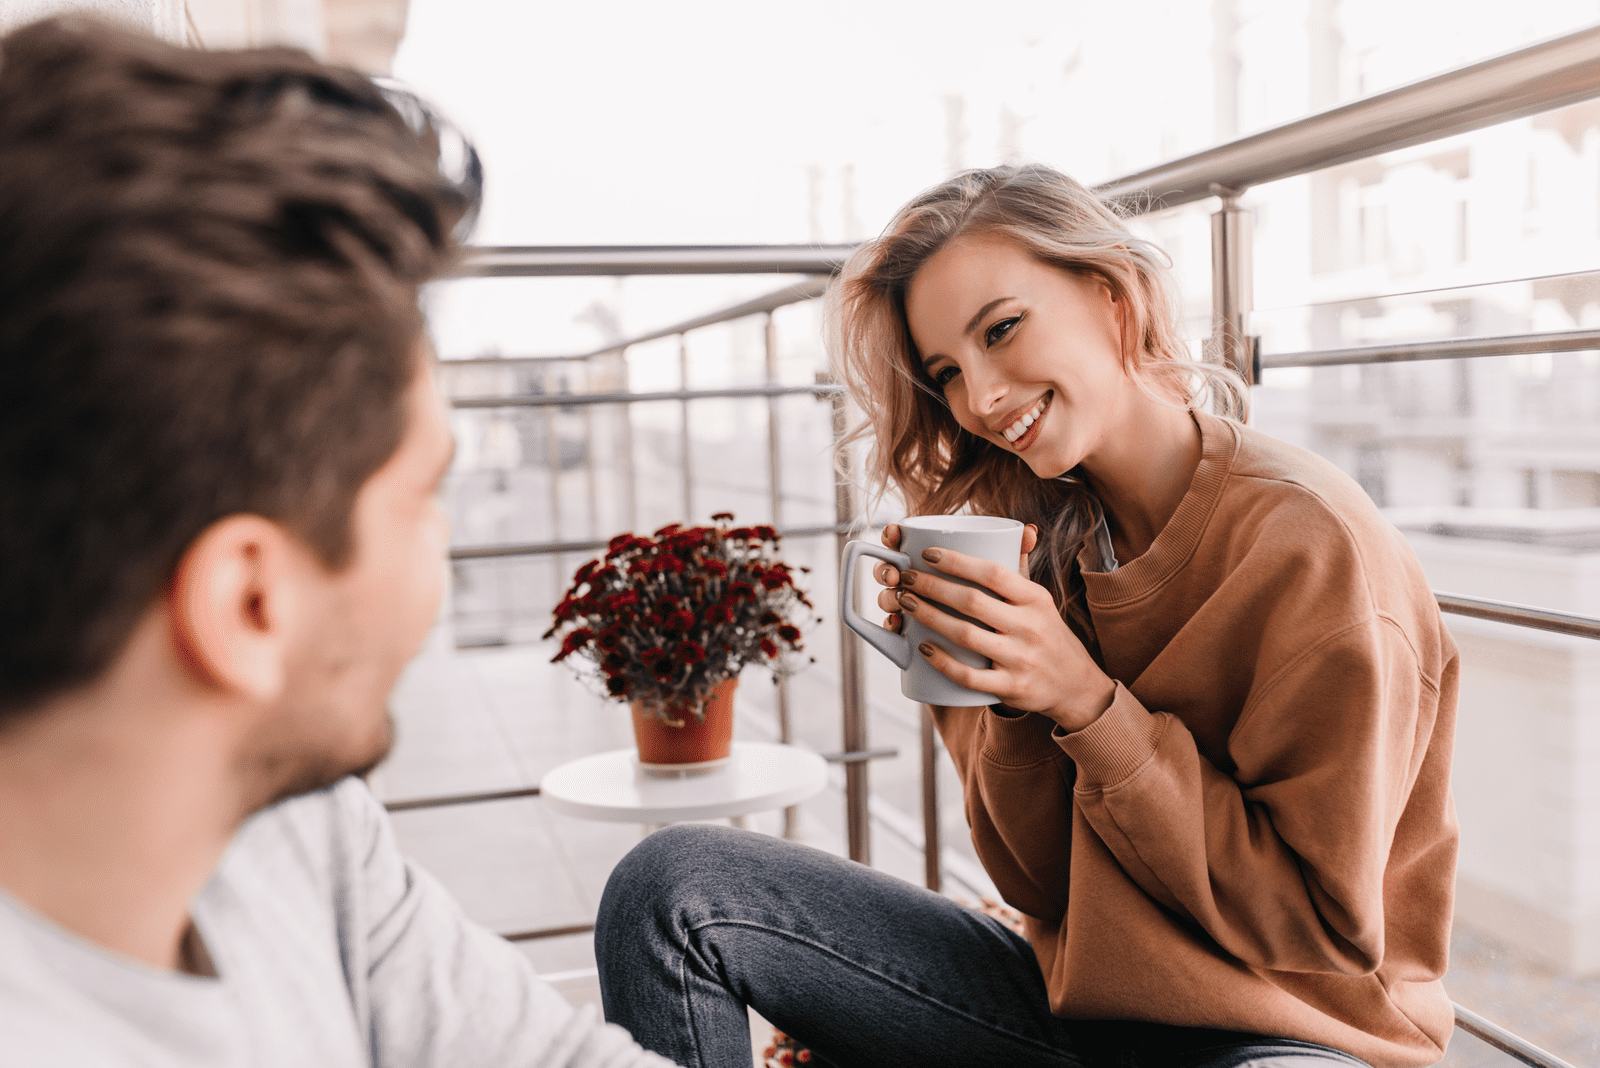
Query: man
x,y
220,451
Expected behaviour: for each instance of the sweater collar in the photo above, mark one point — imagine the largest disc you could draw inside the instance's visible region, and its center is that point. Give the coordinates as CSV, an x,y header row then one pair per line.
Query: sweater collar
x,y
1219,443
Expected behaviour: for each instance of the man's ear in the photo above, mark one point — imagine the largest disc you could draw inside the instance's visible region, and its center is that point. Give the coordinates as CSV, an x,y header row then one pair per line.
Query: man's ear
x,y
233,602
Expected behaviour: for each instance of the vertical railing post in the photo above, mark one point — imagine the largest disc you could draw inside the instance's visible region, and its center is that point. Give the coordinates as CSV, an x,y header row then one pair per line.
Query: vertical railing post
x,y
590,475
932,849
629,474
688,466
791,815
552,463
1232,231
852,671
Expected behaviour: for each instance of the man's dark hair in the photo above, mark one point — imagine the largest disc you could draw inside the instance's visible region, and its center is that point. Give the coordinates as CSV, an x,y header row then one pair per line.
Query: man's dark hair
x,y
209,266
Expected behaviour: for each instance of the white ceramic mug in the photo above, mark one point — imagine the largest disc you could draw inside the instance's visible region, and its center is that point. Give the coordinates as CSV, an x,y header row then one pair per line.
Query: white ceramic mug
x,y
986,537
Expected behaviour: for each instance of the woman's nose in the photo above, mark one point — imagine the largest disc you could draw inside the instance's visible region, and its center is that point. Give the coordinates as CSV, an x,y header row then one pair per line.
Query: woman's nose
x,y
986,391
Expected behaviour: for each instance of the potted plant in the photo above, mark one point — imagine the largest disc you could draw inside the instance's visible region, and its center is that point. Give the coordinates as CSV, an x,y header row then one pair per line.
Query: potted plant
x,y
667,623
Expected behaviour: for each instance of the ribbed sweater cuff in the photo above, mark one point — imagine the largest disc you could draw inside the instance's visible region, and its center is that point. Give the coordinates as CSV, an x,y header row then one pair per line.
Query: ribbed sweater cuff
x,y
1016,741
1114,746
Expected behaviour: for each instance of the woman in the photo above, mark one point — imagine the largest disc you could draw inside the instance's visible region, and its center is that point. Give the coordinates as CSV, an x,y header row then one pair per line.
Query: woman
x,y
1217,783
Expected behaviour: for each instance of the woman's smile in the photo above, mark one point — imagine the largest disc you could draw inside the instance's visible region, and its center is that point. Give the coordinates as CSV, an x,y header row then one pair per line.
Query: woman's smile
x,y
1025,431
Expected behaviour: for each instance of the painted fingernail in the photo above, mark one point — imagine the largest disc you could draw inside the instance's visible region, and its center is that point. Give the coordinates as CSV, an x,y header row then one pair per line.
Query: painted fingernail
x,y
908,579
908,602
926,648
931,555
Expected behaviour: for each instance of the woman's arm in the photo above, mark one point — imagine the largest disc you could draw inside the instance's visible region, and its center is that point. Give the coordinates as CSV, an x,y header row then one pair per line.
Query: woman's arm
x,y
1283,862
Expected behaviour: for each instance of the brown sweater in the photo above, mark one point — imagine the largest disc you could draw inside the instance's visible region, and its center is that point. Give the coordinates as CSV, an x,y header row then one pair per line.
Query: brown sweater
x,y
1258,835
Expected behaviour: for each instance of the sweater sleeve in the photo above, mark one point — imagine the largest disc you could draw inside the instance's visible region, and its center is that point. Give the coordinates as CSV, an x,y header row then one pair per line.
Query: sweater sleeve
x,y
443,991
1281,861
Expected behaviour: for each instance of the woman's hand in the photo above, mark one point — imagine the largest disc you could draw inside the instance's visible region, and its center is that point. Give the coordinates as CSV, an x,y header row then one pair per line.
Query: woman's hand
x,y
1038,664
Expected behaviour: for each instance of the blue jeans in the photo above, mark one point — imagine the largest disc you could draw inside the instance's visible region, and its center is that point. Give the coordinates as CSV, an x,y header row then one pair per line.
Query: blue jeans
x,y
698,922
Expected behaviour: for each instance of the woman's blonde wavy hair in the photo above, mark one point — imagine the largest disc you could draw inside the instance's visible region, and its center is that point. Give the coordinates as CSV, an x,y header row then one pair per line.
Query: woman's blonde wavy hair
x,y
918,447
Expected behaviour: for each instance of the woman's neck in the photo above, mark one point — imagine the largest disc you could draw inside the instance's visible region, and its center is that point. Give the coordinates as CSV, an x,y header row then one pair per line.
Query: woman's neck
x,y
1142,474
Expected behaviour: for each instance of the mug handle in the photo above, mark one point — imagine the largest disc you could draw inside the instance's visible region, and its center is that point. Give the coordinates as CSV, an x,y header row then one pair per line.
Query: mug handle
x,y
897,647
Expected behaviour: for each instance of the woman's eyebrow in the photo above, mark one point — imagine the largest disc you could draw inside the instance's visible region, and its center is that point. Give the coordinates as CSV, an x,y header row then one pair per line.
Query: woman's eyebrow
x,y
985,310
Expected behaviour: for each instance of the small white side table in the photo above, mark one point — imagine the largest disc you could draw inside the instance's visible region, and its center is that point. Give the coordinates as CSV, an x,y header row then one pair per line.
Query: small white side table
x,y
611,786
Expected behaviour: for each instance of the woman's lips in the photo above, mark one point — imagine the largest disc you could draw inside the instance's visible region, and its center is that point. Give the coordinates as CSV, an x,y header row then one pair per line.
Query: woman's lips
x,y
1031,434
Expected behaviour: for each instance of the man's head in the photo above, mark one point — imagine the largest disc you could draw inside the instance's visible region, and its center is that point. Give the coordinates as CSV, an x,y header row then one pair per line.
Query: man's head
x,y
209,266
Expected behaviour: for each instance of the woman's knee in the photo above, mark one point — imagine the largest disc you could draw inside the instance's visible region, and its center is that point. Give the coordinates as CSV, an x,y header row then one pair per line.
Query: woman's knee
x,y
672,867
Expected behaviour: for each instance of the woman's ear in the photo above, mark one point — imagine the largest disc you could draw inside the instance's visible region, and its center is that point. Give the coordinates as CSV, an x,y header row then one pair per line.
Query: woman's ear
x,y
233,602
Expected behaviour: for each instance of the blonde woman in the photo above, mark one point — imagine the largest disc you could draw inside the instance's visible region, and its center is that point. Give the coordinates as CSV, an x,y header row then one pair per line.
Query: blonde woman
x,y
1217,783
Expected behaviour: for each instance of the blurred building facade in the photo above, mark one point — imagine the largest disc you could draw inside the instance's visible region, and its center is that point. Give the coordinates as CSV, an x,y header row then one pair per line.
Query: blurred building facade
x,y
1491,466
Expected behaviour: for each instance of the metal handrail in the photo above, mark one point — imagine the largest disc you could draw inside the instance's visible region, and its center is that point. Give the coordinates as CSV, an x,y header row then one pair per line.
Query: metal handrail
x,y
809,289
556,548
1520,615
1505,1041
565,400
550,261
1460,348
1550,74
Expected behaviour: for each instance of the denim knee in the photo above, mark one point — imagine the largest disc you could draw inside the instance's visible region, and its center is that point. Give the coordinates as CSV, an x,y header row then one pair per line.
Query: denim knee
x,y
666,870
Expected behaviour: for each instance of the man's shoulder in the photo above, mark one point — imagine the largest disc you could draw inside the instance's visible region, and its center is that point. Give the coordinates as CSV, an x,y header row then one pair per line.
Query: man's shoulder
x,y
64,1001
308,836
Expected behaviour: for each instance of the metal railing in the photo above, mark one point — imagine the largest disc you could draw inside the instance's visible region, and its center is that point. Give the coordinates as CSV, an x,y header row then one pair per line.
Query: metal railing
x,y
1534,79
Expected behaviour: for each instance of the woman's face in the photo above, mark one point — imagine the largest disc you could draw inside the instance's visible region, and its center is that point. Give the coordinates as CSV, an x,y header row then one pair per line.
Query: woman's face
x,y
1028,355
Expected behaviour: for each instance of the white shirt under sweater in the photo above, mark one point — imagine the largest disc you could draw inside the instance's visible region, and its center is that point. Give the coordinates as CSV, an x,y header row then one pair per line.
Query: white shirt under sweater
x,y
331,949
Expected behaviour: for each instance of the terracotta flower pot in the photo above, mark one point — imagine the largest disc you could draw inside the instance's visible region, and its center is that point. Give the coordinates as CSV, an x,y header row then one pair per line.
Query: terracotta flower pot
x,y
693,742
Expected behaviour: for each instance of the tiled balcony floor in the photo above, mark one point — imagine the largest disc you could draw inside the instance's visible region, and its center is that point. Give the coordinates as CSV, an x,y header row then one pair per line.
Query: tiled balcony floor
x,y
488,719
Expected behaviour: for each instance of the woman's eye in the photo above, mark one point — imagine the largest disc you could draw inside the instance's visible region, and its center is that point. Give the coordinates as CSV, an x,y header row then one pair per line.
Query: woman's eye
x,y
943,375
996,333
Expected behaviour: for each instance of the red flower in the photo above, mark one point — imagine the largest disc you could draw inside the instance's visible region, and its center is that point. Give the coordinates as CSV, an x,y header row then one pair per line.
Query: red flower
x,y
669,529
609,638
715,567
617,685
789,633
767,533
680,621
742,589
722,517
622,600
690,652
661,668
575,640
769,647
613,663
774,581
719,613
768,618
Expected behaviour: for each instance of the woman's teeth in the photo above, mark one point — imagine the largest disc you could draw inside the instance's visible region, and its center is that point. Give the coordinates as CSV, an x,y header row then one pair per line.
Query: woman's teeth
x,y
1031,416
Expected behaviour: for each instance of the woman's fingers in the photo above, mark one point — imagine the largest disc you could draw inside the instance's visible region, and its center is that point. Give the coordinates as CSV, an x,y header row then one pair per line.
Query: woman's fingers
x,y
957,672
887,575
997,577
980,640
893,621
891,536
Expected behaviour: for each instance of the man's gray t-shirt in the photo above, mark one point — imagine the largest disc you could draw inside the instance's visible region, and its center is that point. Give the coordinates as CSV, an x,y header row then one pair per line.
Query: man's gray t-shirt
x,y
331,950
